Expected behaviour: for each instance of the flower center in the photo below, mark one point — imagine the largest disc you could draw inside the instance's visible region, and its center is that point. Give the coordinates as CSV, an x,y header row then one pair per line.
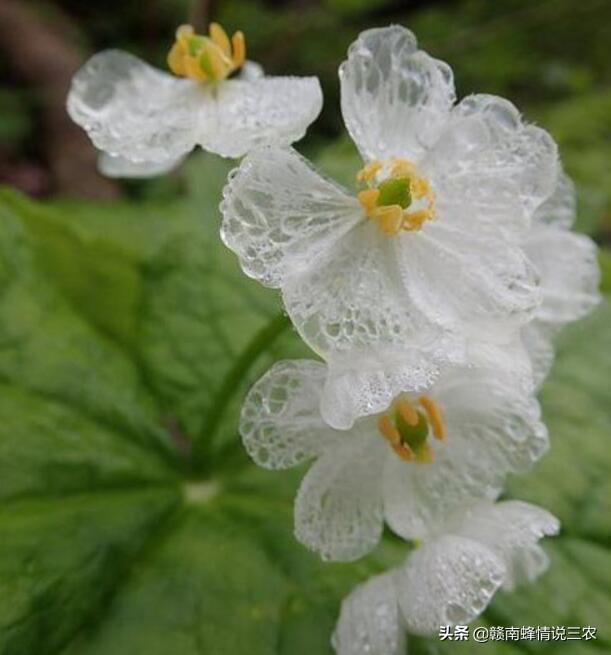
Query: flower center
x,y
407,428
397,196
206,58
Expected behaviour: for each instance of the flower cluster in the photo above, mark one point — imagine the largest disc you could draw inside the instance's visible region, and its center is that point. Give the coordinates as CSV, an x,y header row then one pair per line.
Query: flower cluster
x,y
431,293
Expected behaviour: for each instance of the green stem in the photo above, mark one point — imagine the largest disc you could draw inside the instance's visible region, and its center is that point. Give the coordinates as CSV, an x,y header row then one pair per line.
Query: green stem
x,y
204,444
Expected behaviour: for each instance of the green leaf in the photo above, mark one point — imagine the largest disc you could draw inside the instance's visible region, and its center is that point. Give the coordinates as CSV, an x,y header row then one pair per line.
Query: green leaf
x,y
132,522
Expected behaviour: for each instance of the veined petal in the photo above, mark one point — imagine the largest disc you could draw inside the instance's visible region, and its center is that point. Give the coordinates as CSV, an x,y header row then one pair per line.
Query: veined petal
x,y
487,151
567,265
448,581
278,214
338,510
258,111
512,529
469,282
395,98
492,428
349,306
280,423
369,621
360,383
116,166
132,110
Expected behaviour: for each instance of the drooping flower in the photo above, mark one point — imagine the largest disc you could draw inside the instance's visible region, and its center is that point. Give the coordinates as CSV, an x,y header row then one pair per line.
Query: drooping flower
x,y
448,580
414,465
568,271
389,283
146,120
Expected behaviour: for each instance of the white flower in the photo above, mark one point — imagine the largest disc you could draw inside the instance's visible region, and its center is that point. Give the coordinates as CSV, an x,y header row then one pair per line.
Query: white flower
x,y
413,465
391,282
568,270
136,113
448,580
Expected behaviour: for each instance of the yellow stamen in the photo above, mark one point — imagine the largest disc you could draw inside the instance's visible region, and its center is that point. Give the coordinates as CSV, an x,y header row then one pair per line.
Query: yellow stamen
x,y
389,217
239,49
404,451
206,58
409,414
219,36
415,208
369,171
388,430
368,199
434,415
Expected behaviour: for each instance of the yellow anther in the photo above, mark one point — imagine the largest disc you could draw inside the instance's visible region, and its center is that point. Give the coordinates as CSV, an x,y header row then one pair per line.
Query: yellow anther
x,y
206,58
369,171
402,168
368,199
409,414
404,451
409,428
426,455
219,36
397,197
434,415
388,430
239,49
389,218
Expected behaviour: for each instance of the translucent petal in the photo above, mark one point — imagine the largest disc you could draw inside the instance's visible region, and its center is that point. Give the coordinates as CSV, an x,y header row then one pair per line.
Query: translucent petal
x,y
448,581
349,306
278,213
561,207
115,166
538,337
338,510
567,265
468,281
280,423
487,151
262,111
493,428
512,529
130,109
250,71
395,98
369,621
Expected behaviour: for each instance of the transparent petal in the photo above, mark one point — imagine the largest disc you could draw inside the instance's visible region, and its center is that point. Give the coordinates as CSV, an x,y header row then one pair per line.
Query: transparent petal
x,y
395,98
349,306
132,110
280,423
278,213
487,151
447,581
567,265
512,529
369,621
338,510
115,166
468,282
251,70
538,338
493,428
560,208
262,111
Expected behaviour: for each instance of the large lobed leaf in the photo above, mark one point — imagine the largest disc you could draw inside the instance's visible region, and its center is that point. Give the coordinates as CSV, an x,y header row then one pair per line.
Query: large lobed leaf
x,y
131,520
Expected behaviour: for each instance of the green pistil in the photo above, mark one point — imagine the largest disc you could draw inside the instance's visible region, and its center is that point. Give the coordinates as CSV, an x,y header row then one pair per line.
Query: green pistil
x,y
196,43
394,191
413,436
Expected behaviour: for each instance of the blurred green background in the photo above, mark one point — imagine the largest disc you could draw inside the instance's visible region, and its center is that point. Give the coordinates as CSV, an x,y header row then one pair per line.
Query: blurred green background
x,y
131,520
